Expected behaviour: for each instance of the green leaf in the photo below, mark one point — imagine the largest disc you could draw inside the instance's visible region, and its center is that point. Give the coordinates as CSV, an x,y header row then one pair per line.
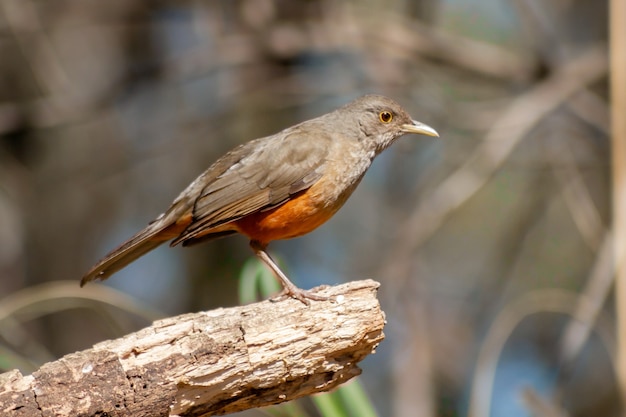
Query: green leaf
x,y
355,398
256,282
329,405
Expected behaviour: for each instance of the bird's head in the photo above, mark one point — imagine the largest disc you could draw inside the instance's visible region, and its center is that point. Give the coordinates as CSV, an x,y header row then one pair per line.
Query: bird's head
x,y
381,120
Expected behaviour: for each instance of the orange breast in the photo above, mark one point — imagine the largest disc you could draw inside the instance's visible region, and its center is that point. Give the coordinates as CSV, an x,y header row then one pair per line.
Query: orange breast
x,y
296,217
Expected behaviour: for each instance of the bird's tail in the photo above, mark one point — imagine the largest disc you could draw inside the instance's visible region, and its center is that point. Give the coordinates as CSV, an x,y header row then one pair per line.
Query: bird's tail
x,y
144,241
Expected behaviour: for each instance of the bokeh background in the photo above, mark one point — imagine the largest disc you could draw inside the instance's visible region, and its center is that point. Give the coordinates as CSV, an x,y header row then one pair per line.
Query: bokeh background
x,y
491,243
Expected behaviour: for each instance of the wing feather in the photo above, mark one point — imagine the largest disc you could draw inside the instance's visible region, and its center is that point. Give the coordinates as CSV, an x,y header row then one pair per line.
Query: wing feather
x,y
264,174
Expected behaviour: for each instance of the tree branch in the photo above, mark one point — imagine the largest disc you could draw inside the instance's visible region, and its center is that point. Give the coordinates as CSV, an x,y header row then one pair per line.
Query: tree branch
x,y
209,363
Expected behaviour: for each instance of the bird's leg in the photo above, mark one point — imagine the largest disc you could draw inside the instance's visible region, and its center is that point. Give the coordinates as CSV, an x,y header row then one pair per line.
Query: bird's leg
x,y
289,288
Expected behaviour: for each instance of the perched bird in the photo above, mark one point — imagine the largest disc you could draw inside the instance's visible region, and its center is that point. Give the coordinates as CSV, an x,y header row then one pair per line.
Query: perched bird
x,y
276,187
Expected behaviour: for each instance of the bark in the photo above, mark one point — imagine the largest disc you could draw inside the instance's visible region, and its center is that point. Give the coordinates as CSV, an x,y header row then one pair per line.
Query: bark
x,y
209,363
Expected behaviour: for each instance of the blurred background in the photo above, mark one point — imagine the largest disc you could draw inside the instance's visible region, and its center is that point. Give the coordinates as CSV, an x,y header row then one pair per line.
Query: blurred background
x,y
491,243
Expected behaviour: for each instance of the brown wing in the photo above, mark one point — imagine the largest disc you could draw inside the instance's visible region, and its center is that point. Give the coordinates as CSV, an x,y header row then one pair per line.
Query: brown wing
x,y
266,174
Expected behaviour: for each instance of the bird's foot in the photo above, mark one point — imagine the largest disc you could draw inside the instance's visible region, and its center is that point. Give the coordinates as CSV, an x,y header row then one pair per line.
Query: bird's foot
x,y
299,294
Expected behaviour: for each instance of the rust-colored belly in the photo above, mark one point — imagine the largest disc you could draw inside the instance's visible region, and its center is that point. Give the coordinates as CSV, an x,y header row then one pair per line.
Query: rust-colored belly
x,y
296,217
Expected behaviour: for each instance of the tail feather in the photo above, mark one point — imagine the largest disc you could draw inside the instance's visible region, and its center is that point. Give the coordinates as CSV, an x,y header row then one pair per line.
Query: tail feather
x,y
138,245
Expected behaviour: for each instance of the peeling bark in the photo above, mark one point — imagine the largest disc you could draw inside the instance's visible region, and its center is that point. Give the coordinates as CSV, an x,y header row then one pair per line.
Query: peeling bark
x,y
209,363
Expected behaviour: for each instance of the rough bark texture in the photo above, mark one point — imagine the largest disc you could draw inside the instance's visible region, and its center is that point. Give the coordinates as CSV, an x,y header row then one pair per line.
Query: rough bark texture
x,y
209,363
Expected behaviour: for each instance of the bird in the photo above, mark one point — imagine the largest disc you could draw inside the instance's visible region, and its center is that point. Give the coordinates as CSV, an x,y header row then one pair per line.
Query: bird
x,y
276,187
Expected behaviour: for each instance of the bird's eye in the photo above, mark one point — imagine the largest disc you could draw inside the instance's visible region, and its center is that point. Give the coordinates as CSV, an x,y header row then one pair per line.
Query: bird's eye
x,y
385,116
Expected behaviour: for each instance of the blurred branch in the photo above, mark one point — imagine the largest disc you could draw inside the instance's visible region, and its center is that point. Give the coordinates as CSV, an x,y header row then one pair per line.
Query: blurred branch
x,y
589,223
544,301
595,294
210,363
351,26
541,407
51,297
591,108
34,302
342,26
548,43
414,392
577,196
617,33
506,132
400,35
22,19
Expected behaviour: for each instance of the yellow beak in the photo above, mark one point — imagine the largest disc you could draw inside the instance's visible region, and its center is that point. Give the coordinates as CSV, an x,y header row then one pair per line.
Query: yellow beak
x,y
420,129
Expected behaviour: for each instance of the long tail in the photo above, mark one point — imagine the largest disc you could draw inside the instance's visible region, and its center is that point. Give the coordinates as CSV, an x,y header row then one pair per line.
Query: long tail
x,y
149,238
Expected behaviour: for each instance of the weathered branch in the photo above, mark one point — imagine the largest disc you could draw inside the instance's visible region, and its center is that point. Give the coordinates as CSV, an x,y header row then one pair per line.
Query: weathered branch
x,y
209,363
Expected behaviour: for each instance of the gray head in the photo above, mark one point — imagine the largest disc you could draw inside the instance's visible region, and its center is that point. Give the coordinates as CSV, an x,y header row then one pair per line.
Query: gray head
x,y
382,120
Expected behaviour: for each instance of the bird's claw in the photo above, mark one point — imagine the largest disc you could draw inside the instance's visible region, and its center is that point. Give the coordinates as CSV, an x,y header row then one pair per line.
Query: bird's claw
x,y
301,295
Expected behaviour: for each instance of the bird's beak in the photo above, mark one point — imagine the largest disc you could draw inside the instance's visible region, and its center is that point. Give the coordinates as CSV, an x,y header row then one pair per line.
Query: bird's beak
x,y
420,129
